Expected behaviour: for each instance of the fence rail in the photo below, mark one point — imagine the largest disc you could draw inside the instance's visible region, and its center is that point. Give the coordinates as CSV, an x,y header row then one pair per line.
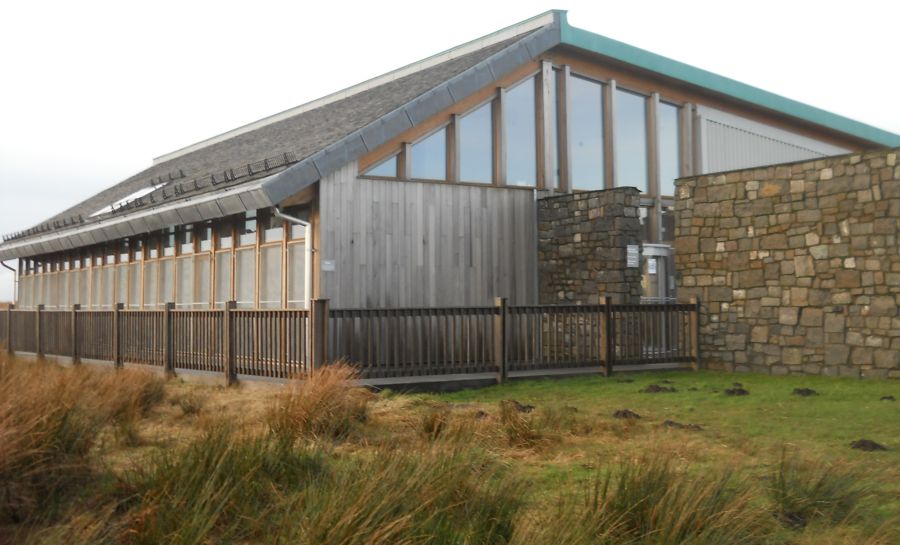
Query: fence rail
x,y
381,343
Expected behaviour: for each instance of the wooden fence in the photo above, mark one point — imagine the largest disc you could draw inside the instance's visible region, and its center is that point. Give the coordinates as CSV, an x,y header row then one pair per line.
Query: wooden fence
x,y
382,343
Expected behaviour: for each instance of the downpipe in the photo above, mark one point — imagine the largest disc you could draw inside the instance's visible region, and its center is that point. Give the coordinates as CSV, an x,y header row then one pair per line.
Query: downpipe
x,y
15,281
307,258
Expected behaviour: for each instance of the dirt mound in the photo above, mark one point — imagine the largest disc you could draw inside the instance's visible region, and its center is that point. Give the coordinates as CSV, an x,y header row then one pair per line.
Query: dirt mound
x,y
867,445
737,391
520,407
679,426
805,392
657,389
626,413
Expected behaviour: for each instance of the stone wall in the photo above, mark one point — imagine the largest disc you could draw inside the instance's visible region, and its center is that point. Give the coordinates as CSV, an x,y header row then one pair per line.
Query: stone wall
x,y
797,265
582,239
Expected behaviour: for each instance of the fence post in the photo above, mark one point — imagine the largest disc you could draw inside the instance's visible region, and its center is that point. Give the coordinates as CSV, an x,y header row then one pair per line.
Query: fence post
x,y
9,329
228,328
76,359
610,334
37,331
500,303
117,330
168,338
695,333
318,322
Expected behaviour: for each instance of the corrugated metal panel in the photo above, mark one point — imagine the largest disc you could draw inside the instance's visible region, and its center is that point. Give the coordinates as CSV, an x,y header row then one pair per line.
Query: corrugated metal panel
x,y
731,142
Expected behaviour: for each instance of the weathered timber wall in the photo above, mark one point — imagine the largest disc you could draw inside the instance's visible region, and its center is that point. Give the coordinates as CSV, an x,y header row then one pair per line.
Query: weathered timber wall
x,y
582,239
797,265
425,244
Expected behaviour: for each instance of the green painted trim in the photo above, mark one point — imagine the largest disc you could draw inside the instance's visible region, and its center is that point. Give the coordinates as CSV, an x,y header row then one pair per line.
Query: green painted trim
x,y
608,47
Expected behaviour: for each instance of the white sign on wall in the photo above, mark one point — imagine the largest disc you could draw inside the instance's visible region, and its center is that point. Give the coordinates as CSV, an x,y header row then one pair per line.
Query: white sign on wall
x,y
327,265
632,256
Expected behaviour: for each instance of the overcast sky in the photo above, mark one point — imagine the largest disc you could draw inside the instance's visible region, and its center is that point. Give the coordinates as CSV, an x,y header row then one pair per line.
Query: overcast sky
x,y
92,91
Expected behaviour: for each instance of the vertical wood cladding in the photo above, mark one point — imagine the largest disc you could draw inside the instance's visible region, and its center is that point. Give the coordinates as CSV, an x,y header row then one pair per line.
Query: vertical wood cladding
x,y
407,244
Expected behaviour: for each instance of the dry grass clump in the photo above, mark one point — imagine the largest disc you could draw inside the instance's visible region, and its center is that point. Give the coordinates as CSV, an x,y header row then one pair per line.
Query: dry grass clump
x,y
803,491
650,502
322,405
50,418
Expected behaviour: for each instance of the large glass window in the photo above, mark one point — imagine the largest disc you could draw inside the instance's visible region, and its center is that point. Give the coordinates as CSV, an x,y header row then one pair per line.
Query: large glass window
x,y
429,157
184,290
151,276
272,227
476,150
585,133
166,282
186,239
669,152
225,232
519,129
245,278
247,229
204,236
134,288
201,290
297,275
270,277
223,278
168,242
630,129
387,168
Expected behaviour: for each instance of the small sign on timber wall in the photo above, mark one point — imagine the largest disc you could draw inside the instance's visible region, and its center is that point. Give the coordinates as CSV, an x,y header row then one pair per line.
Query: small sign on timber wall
x,y
632,256
327,265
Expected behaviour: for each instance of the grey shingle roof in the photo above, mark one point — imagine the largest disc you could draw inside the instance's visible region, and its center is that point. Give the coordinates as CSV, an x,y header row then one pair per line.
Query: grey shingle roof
x,y
299,149
301,135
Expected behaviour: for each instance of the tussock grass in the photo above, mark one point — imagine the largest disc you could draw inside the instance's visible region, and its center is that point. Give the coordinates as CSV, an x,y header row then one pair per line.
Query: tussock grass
x,y
803,491
50,418
322,405
649,502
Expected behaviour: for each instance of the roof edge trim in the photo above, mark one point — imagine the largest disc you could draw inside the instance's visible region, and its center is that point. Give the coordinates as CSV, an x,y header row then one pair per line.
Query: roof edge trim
x,y
665,66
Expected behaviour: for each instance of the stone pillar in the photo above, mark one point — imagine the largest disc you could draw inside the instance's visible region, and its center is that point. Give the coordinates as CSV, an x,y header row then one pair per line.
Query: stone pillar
x,y
582,242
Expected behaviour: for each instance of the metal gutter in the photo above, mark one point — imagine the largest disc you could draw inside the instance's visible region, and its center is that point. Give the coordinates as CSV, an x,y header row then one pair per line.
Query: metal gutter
x,y
189,210
641,58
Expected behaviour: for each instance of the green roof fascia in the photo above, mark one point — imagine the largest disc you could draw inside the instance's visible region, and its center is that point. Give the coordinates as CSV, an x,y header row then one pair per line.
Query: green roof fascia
x,y
617,50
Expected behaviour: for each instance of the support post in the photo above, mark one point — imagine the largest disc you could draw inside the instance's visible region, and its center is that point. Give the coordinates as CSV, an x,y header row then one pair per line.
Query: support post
x,y
168,338
117,332
500,303
318,322
695,333
76,359
228,327
37,331
610,334
9,329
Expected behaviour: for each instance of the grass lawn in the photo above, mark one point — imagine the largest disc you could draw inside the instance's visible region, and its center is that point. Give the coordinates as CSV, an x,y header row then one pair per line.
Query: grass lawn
x,y
85,460
750,431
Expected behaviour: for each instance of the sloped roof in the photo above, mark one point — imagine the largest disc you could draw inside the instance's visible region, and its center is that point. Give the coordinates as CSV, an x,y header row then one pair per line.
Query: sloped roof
x,y
262,163
309,141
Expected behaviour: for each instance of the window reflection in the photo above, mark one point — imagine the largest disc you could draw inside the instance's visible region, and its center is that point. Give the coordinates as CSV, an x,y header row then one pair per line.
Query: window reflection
x,y
586,133
386,168
630,131
519,127
429,157
476,158
669,156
